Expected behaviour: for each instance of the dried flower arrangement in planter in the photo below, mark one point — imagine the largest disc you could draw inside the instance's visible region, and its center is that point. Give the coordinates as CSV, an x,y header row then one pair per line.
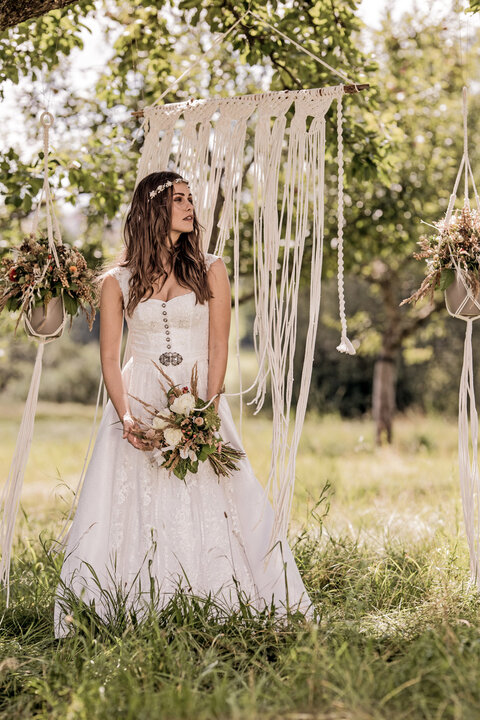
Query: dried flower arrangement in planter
x,y
454,246
31,277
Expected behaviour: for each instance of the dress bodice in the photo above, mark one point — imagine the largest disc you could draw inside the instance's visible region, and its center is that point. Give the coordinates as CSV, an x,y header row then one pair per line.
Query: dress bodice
x,y
171,331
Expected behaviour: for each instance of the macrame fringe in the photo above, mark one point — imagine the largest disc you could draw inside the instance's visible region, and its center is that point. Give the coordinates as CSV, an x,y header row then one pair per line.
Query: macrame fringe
x,y
12,490
204,140
468,463
467,411
345,344
10,499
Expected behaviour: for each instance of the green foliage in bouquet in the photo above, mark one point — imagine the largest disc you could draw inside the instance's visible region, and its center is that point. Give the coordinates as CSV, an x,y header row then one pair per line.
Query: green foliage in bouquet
x,y
458,241
186,432
30,277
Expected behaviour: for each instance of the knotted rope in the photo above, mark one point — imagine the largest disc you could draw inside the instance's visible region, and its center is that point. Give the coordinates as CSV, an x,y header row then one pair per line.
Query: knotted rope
x,y
10,498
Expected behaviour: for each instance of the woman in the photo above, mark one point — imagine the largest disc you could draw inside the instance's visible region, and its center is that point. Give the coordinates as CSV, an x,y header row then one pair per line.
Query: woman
x,y
136,522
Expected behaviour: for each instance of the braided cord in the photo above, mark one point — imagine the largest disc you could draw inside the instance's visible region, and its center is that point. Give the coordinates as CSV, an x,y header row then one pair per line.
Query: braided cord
x,y
345,344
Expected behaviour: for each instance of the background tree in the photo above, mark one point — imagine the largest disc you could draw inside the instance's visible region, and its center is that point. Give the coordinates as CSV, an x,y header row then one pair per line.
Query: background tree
x,y
151,43
419,98
393,173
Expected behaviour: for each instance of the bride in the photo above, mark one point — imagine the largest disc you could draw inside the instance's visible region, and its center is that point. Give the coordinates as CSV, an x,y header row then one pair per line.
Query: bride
x,y
136,522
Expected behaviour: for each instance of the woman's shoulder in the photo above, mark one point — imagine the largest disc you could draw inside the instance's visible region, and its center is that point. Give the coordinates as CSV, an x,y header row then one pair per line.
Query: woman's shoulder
x,y
210,258
122,276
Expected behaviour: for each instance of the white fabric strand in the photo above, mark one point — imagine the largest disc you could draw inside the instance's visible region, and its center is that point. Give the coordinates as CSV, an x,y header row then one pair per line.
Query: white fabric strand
x,y
12,490
467,412
10,499
345,344
468,463
207,139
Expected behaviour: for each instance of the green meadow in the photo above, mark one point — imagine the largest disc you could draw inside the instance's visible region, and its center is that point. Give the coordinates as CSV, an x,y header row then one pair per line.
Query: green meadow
x,y
379,539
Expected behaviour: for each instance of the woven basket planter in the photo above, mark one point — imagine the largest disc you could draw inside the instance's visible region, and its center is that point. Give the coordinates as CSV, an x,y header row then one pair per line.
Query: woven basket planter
x,y
455,296
46,322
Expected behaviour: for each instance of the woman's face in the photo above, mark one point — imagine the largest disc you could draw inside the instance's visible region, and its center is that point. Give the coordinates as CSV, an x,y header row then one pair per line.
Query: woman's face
x,y
182,209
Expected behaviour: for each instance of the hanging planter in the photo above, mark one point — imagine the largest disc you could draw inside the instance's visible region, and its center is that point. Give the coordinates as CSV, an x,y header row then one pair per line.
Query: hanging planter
x,y
452,255
46,320
461,302
44,281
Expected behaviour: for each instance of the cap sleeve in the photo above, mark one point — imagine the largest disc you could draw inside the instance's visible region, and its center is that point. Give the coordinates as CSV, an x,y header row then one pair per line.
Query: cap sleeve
x,y
122,276
210,259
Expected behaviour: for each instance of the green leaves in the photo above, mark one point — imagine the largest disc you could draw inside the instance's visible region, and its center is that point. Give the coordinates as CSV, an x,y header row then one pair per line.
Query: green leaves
x,y
38,46
93,131
205,452
447,276
71,305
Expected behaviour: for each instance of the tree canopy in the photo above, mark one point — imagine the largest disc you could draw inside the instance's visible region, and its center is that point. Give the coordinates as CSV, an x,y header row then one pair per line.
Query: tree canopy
x,y
402,138
151,44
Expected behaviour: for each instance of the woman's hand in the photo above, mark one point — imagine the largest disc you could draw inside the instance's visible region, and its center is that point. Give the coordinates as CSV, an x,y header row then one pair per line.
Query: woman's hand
x,y
129,429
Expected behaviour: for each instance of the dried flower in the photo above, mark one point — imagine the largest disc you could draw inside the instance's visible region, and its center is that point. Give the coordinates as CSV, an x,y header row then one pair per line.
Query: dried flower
x,y
31,278
182,445
455,244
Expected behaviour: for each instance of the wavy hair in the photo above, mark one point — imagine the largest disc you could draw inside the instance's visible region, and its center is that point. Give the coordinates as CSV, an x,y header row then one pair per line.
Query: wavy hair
x,y
146,238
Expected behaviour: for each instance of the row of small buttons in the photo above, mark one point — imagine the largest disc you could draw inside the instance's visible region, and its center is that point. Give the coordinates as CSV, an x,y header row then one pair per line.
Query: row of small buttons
x,y
166,326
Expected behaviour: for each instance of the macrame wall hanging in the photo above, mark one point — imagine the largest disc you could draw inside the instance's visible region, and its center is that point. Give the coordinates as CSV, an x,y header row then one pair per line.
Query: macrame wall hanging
x,y
204,141
463,304
43,327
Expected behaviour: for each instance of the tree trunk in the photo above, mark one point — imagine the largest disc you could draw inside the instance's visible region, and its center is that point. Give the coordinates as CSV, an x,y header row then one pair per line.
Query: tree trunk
x,y
13,12
383,405
385,375
397,326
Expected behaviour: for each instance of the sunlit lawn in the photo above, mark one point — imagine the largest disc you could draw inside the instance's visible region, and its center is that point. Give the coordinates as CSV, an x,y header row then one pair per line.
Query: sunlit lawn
x,y
397,633
407,491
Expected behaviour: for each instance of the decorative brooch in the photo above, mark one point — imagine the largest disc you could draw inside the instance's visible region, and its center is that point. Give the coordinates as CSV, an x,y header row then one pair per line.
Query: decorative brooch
x,y
170,358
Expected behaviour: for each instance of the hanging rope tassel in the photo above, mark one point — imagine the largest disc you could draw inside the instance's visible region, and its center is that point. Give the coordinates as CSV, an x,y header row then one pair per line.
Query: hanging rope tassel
x,y
468,465
10,499
13,487
345,344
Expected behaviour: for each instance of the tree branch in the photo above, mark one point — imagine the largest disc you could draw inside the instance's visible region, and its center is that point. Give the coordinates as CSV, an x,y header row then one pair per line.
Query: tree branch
x,y
13,12
412,323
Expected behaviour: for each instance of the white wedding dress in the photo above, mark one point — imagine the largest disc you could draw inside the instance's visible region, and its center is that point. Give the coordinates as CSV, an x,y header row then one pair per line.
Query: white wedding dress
x,y
135,521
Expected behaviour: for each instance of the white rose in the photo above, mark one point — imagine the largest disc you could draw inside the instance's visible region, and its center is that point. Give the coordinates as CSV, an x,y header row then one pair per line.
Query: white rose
x,y
183,404
173,436
159,422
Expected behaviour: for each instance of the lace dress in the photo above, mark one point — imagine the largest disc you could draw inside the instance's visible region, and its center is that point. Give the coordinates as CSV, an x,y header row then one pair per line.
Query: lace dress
x,y
135,522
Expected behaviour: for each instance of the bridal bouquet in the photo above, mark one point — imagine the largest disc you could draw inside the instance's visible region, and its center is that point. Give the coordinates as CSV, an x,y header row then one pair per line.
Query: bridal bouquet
x,y
459,241
31,277
186,432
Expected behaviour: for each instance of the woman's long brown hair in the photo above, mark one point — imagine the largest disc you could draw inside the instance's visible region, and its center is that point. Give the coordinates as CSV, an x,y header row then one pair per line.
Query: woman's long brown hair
x,y
146,235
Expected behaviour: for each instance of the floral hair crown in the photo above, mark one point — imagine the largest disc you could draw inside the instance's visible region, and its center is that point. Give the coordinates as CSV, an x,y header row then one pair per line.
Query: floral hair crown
x,y
164,186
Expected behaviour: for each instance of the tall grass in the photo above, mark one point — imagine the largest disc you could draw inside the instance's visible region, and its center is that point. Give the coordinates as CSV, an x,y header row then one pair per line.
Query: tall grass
x,y
381,550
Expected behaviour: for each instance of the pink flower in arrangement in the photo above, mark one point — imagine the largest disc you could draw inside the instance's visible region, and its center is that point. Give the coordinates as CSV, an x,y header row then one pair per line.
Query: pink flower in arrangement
x,y
185,389
198,421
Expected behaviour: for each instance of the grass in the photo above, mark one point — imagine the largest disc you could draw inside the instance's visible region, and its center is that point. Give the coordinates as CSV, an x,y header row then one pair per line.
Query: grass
x,y
379,540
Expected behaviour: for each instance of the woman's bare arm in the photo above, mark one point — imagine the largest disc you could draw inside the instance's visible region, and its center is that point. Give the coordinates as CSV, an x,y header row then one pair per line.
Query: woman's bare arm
x,y
111,324
219,328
